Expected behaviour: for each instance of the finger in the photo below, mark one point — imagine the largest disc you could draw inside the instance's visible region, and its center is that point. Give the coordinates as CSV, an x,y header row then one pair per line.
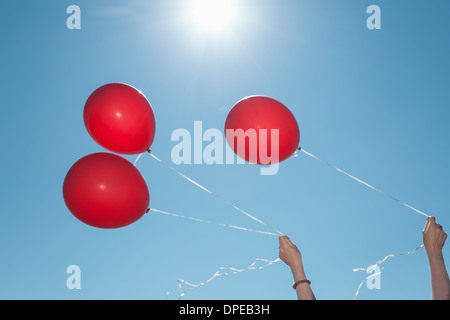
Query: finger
x,y
286,242
289,242
283,240
431,223
432,220
427,224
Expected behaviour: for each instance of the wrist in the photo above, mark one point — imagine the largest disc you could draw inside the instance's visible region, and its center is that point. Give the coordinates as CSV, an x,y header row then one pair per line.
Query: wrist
x,y
298,272
296,263
433,251
435,256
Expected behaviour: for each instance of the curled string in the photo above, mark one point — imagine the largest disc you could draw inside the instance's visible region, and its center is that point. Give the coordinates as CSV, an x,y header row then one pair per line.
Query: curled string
x,y
269,262
219,274
365,183
372,267
211,193
211,222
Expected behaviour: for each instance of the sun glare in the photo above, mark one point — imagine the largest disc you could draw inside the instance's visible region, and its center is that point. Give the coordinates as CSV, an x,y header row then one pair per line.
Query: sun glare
x,y
213,15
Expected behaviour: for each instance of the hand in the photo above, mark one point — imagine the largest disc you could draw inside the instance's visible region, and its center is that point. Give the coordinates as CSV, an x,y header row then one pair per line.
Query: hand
x,y
289,253
433,236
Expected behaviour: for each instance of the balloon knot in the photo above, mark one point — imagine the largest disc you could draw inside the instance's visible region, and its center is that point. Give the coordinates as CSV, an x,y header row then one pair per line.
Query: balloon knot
x,y
147,210
299,148
149,150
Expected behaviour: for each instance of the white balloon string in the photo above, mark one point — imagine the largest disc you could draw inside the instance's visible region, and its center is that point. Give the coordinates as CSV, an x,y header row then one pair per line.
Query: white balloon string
x,y
365,183
138,157
220,274
211,222
211,193
373,267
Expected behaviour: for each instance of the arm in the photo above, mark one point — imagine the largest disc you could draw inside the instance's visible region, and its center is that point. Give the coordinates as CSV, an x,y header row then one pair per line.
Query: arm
x,y
433,239
290,254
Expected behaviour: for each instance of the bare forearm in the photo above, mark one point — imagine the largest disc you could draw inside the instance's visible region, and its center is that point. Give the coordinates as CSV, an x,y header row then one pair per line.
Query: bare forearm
x,y
440,282
304,291
290,254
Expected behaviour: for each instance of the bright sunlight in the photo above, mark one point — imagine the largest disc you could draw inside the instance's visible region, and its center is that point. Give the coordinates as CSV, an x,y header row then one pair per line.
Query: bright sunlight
x,y
213,15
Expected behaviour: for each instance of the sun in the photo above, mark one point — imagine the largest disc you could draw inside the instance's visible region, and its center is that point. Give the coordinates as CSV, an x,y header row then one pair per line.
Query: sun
x,y
213,15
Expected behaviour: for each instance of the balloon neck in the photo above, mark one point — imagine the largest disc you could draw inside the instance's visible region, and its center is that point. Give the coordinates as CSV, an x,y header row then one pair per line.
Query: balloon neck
x,y
299,148
147,210
149,151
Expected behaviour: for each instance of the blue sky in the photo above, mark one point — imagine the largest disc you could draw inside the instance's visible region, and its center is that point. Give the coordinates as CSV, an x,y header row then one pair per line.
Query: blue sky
x,y
373,102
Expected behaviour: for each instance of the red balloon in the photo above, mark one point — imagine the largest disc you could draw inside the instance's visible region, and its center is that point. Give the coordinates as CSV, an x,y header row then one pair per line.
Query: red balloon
x,y
105,190
120,119
260,112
